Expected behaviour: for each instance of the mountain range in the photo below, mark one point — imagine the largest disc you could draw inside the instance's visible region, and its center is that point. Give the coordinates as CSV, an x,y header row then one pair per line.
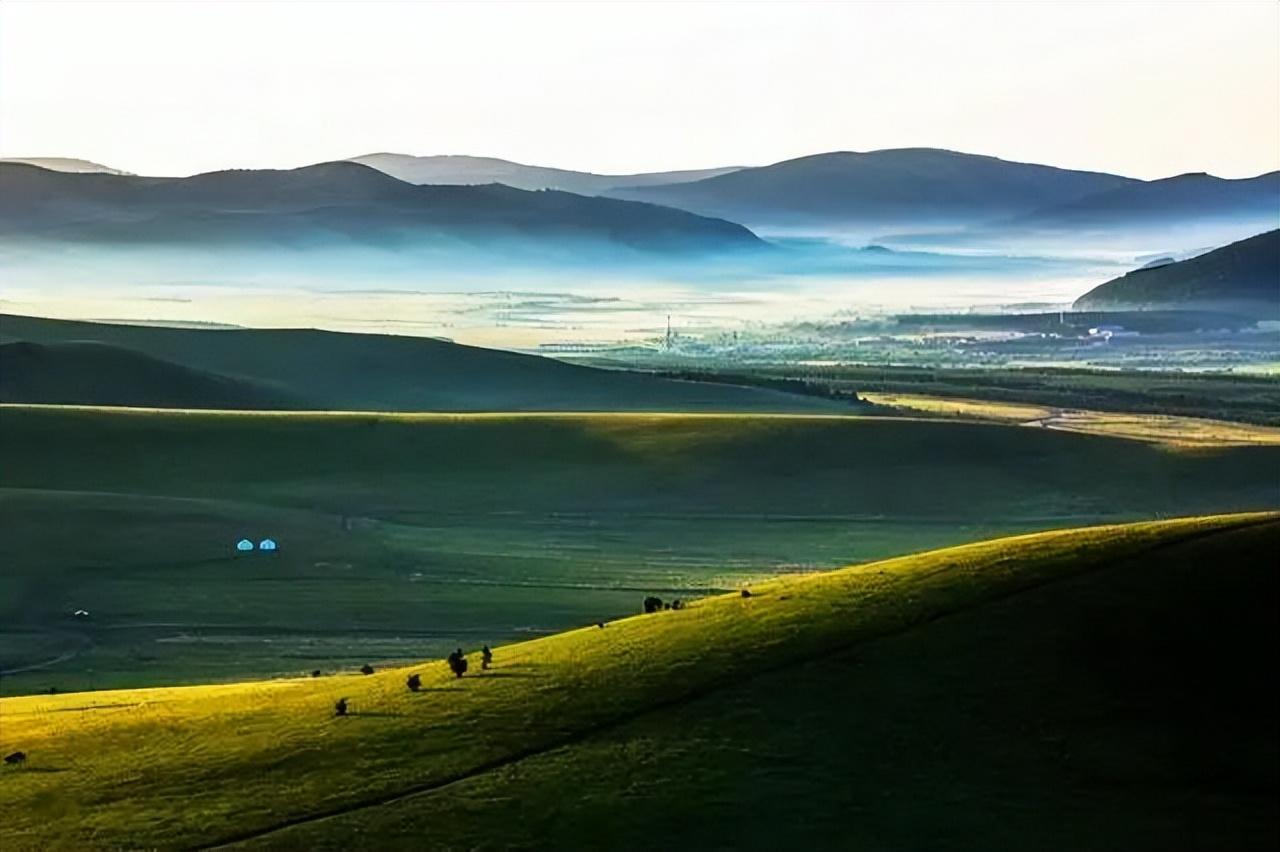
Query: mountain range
x,y
336,204
891,186
411,214
464,170
919,185
1190,196
64,164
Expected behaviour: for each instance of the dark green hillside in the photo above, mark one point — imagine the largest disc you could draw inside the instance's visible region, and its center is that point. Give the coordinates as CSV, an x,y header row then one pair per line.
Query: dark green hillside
x,y
1120,709
425,467
1244,275
100,374
331,370
1092,689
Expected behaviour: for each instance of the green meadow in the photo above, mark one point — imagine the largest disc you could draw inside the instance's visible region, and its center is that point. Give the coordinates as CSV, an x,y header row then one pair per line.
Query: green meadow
x,y
1108,676
403,536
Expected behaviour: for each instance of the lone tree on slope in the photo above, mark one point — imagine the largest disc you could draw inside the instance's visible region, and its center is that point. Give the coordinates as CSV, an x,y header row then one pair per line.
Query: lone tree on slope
x,y
458,663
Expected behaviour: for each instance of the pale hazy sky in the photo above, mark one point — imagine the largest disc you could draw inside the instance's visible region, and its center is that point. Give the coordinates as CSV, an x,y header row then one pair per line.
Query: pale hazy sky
x,y
1145,89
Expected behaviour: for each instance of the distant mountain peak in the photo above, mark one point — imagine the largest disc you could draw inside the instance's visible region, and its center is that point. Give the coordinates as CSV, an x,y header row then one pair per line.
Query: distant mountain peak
x,y
70,165
467,170
907,185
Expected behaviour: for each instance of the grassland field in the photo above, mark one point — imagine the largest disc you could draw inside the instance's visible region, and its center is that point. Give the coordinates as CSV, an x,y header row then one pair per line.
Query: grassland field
x,y
1213,395
402,536
1108,676
1158,428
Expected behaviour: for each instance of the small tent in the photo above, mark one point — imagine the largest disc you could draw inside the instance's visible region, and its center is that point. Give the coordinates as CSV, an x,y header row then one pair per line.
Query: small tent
x,y
267,544
244,544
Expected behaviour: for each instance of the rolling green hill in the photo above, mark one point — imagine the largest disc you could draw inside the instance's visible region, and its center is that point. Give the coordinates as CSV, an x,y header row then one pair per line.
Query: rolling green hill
x,y
306,368
1084,689
404,535
1242,276
100,374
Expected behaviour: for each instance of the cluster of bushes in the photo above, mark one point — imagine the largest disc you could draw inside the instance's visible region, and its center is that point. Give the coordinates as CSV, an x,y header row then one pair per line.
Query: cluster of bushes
x,y
652,604
803,387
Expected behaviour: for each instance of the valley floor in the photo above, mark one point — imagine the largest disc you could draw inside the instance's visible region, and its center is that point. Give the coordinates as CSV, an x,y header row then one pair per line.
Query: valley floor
x,y
404,536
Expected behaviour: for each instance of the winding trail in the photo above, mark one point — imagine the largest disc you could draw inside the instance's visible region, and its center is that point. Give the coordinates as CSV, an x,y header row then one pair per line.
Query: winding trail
x,y
85,644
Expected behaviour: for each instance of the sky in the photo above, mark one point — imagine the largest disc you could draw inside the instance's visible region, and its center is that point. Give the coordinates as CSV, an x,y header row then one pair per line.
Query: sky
x,y
174,88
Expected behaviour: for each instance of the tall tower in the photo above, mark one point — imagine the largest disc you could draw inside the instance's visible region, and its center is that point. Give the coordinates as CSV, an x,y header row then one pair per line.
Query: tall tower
x,y
668,340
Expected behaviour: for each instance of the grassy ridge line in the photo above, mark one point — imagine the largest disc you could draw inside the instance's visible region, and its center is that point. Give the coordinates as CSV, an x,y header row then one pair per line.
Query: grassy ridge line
x,y
1171,430
448,415
198,765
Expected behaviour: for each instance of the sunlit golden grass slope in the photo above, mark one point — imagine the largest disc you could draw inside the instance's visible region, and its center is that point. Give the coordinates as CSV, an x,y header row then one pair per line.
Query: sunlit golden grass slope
x,y
1155,428
196,766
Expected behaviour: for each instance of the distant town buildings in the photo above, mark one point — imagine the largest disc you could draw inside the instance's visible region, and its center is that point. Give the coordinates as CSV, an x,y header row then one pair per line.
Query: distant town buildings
x,y
1106,332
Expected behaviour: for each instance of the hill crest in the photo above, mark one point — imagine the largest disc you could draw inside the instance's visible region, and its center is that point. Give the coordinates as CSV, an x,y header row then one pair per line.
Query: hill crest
x,y
1243,276
901,183
370,372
